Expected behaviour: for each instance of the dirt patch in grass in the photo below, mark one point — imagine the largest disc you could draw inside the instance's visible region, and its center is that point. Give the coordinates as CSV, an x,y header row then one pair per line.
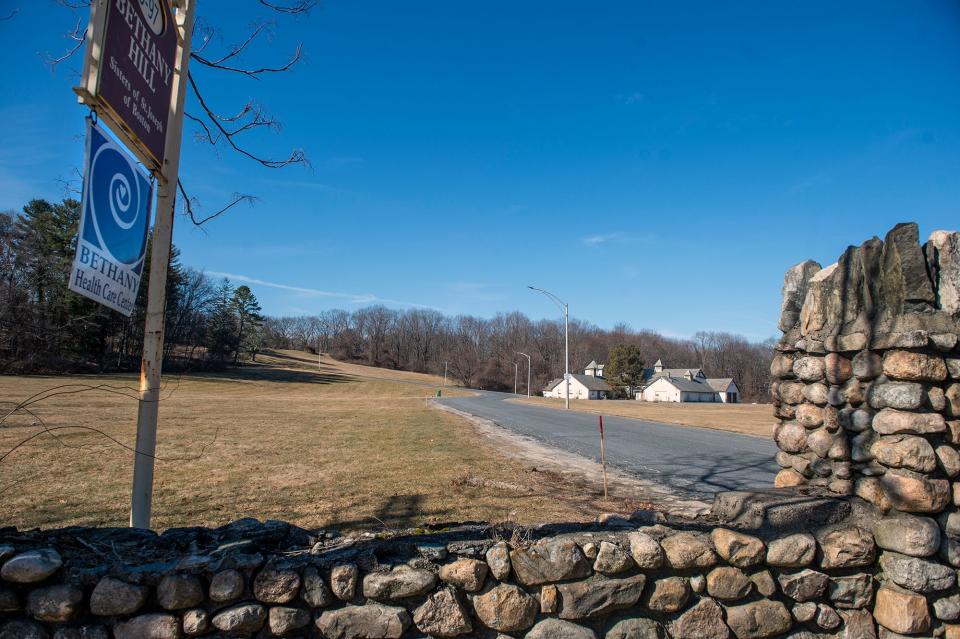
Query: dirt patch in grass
x,y
747,419
334,446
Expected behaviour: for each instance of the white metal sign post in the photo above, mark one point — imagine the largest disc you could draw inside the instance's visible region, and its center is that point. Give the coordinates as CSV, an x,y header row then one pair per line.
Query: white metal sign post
x,y
135,79
151,366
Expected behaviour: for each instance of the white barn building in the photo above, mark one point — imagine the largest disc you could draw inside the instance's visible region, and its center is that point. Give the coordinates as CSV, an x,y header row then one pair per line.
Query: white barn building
x,y
686,385
590,385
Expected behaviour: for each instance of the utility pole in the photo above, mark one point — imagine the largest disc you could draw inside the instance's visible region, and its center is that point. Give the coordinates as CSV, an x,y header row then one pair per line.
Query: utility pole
x,y
528,372
152,363
516,374
445,374
566,336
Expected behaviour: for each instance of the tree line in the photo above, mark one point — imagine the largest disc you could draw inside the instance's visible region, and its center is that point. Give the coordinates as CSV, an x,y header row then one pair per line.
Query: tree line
x,y
45,327
482,352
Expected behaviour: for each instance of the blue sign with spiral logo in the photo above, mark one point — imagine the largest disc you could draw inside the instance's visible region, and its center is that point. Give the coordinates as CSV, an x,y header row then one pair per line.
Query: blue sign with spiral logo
x,y
114,221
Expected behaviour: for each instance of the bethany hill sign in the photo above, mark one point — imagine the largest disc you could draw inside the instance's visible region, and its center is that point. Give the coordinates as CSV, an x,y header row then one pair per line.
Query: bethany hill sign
x,y
128,72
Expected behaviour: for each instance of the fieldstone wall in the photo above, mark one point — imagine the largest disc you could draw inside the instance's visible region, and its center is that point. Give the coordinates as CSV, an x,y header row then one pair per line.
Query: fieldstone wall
x,y
619,580
860,539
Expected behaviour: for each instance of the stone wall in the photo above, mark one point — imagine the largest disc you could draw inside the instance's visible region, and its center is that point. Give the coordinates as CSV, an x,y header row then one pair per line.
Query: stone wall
x,y
620,580
867,375
860,540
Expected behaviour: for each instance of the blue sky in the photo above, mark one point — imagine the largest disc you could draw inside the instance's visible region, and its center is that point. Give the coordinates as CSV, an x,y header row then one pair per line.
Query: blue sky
x,y
660,164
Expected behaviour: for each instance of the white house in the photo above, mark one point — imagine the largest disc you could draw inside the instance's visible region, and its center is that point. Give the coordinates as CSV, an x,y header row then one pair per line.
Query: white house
x,y
590,385
663,384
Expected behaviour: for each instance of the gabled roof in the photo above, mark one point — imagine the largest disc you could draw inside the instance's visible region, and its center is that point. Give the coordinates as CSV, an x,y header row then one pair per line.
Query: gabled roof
x,y
720,384
651,374
687,385
592,364
592,383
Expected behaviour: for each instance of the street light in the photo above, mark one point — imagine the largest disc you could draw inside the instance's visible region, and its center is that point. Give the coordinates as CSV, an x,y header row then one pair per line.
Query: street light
x,y
528,372
516,375
566,335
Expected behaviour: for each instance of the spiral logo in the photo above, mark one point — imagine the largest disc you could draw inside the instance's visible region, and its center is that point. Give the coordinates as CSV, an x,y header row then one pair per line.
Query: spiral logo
x,y
119,202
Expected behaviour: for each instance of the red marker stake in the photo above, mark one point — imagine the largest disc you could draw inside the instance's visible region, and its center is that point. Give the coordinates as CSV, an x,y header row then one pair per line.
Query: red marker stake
x,y
603,459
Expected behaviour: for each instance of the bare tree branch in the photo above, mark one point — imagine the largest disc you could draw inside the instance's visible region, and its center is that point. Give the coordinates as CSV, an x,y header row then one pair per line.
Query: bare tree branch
x,y
296,7
10,15
189,203
78,37
258,120
252,73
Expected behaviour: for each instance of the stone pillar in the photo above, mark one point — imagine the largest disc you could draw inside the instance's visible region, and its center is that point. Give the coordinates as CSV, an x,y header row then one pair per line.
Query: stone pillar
x,y
866,392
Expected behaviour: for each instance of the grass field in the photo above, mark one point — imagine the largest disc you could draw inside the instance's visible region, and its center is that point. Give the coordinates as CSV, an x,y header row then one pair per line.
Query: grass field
x,y
747,419
345,446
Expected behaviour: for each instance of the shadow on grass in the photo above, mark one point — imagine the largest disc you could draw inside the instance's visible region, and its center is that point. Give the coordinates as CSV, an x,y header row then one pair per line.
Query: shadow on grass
x,y
269,372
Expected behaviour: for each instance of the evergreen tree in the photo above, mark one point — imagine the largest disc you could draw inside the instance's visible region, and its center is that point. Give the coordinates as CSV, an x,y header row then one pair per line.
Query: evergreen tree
x,y
624,367
248,321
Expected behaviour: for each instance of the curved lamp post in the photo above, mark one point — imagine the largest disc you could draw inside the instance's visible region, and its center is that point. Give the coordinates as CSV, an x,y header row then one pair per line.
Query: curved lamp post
x,y
566,335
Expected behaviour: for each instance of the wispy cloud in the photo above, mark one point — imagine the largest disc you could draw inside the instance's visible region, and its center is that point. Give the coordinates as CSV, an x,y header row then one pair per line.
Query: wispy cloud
x,y
604,238
630,98
353,298
615,237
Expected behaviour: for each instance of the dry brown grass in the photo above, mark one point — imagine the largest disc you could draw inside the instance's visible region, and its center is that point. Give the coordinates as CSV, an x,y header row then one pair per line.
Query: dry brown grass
x,y
746,419
278,440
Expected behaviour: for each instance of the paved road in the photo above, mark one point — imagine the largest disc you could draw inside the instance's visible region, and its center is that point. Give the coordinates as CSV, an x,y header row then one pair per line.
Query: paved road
x,y
696,462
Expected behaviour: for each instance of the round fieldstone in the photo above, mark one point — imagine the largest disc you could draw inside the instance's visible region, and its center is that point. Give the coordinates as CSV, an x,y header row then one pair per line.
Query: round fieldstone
x,y
549,561
21,629
851,591
442,615
890,421
498,559
634,629
506,608
918,575
900,395
816,393
905,451
907,534
804,612
195,622
32,566
867,365
468,574
909,365
611,559
55,604
400,583
282,619
177,592
846,547
759,619
809,369
226,586
315,592
727,583
901,611
705,619
343,581
827,617
805,585
243,618
276,585
915,493
947,608
668,595
687,551
151,626
793,551
559,629
370,620
645,550
790,437
837,368
112,597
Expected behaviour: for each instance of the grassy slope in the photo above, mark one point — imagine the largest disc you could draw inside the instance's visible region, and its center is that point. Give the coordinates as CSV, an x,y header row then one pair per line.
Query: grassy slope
x,y
747,419
277,440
